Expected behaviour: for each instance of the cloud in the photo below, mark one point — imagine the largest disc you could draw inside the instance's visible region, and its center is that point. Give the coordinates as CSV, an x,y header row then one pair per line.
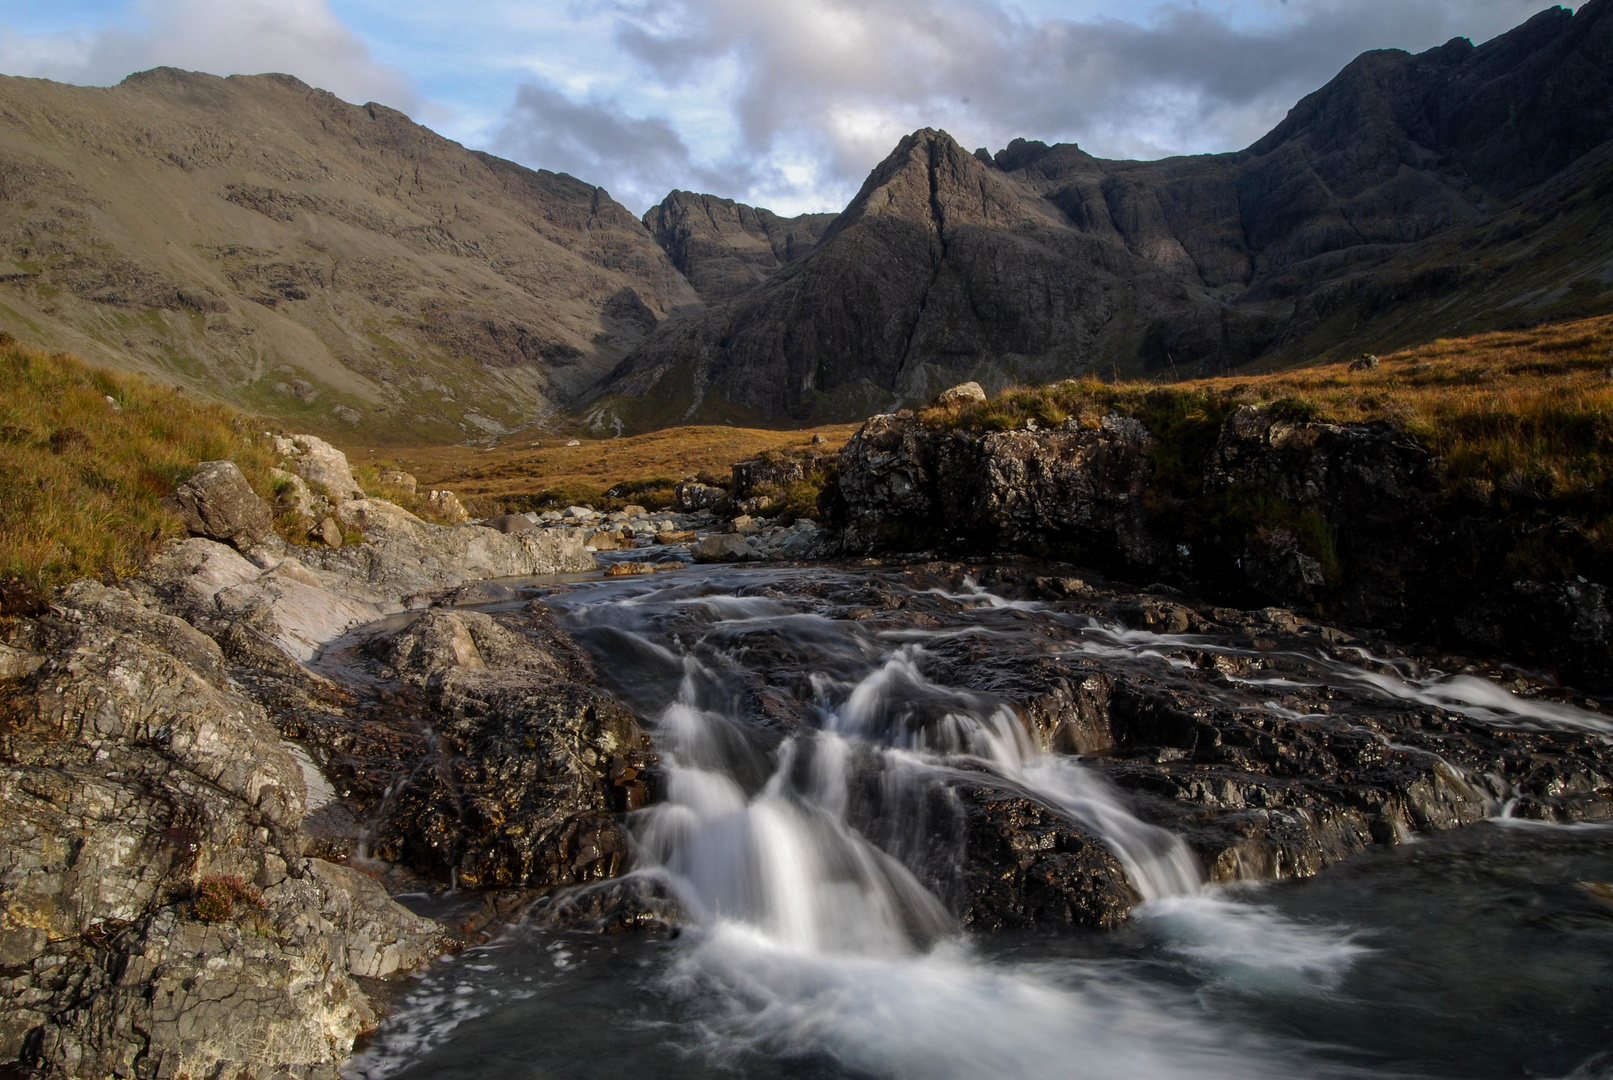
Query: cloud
x,y
818,91
597,141
226,37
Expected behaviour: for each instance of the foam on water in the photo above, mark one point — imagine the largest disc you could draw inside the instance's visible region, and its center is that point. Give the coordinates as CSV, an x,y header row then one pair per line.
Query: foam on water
x,y
949,1015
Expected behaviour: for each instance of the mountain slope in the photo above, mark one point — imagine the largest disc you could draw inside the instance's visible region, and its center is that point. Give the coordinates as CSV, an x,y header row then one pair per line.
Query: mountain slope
x,y
725,248
1411,197
333,264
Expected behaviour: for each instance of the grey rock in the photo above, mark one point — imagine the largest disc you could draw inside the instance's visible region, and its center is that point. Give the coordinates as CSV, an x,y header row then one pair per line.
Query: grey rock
x,y
510,523
962,394
218,503
130,748
726,547
330,533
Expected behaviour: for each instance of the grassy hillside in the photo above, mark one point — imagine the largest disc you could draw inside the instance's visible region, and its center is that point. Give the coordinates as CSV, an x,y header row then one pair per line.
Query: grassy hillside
x,y
86,457
1520,418
644,469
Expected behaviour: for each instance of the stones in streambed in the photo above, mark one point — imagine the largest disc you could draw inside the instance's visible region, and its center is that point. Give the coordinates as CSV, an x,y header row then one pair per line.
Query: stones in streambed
x,y
754,541
1268,786
634,567
637,902
136,774
218,503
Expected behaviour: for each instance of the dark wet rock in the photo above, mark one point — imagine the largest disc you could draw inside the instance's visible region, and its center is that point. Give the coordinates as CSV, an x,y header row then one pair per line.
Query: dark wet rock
x,y
1254,734
218,503
502,766
1029,867
134,772
477,593
634,902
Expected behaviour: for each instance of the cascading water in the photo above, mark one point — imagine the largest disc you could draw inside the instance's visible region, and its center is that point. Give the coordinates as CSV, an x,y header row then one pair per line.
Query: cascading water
x,y
806,847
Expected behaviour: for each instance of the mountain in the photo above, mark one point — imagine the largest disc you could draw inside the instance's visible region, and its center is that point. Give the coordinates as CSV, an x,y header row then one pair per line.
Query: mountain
x,y
332,264
1459,189
725,248
349,271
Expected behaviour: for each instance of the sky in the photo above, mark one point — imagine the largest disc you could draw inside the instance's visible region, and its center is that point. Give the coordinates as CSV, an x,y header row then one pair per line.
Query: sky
x,y
779,103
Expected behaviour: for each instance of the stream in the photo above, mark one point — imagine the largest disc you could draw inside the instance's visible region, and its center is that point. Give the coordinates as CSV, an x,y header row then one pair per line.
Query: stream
x,y
814,746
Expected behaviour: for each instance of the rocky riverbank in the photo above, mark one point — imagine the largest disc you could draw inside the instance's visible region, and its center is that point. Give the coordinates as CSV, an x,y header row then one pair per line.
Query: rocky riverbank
x,y
1348,522
179,777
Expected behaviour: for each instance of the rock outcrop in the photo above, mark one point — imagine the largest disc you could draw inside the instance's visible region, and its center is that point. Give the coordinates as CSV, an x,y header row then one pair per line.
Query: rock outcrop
x,y
1351,521
170,757
137,778
529,763
1411,197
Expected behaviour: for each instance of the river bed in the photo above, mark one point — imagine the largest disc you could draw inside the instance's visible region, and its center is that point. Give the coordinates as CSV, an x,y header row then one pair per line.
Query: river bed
x,y
809,733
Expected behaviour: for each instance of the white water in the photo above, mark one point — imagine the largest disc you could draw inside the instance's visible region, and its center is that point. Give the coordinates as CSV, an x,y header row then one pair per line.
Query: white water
x,y
812,939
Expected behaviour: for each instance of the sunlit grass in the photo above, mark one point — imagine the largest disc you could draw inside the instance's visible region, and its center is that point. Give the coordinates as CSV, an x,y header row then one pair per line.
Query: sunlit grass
x,y
86,457
1521,416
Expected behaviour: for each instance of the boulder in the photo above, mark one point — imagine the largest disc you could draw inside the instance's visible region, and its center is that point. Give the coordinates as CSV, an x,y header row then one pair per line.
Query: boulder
x,y
321,464
330,533
399,479
960,395
511,523
446,505
726,547
693,495
218,503
534,762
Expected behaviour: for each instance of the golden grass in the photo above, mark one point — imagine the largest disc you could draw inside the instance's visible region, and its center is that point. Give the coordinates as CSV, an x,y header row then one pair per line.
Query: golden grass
x,y
1525,413
525,473
86,457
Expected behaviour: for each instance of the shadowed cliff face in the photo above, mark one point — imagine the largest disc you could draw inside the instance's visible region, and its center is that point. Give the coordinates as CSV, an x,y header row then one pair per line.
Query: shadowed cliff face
x,y
334,264
725,248
1452,191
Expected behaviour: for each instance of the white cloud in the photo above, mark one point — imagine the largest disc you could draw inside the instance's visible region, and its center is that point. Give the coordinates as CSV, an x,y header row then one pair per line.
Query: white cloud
x,y
782,103
831,84
226,37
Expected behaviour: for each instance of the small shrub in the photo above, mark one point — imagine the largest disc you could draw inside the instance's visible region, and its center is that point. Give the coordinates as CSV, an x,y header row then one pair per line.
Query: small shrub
x,y
217,895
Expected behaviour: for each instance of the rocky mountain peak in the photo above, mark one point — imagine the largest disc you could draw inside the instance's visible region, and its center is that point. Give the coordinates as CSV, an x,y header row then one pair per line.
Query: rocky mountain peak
x,y
725,247
930,178
1414,196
